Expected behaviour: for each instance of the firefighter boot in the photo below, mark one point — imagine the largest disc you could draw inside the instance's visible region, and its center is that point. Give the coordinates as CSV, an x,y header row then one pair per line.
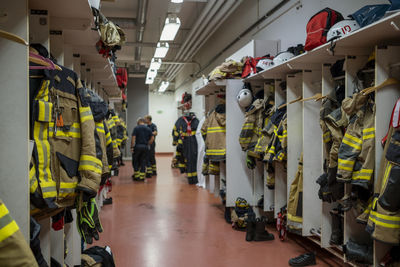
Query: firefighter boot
x,y
250,228
337,232
260,233
306,259
358,253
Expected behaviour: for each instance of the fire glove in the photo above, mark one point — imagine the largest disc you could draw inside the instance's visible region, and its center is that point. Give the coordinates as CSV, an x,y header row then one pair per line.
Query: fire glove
x,y
88,221
251,162
324,193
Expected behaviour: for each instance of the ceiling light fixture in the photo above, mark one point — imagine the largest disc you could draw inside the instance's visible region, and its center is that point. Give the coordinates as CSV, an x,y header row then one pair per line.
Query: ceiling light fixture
x,y
171,27
161,50
163,86
155,63
177,1
151,73
149,80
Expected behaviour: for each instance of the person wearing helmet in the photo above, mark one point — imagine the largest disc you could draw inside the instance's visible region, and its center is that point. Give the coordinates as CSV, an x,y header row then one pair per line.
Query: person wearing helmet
x,y
342,28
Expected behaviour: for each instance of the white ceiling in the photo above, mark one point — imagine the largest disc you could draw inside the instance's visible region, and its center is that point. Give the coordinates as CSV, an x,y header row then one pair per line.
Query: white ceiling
x,y
155,17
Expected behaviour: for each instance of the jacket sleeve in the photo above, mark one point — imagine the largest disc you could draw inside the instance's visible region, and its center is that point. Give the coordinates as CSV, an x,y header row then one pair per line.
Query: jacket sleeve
x,y
247,131
204,128
90,167
14,251
349,150
175,133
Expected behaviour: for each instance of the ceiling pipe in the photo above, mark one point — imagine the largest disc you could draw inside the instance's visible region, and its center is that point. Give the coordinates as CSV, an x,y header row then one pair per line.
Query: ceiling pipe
x,y
141,22
199,23
125,23
228,7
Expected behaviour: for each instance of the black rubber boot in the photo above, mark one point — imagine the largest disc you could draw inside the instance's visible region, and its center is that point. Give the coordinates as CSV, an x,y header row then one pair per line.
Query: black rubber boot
x,y
337,229
358,253
250,228
261,234
306,259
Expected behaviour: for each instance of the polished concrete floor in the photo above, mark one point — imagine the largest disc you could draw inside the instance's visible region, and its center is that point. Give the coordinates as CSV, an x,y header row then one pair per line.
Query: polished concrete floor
x,y
164,222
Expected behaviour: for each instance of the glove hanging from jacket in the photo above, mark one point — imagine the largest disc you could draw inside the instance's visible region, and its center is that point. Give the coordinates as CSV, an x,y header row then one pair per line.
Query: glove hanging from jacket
x,y
88,221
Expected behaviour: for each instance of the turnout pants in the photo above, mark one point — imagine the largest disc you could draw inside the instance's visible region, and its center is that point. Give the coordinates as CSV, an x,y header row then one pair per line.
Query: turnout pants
x,y
139,158
151,163
190,155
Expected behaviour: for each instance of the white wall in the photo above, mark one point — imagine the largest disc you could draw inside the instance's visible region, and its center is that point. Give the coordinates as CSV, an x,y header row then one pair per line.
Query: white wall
x,y
288,25
163,109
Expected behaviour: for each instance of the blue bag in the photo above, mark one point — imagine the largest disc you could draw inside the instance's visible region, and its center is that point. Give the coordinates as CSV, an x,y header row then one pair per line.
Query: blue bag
x,y
371,13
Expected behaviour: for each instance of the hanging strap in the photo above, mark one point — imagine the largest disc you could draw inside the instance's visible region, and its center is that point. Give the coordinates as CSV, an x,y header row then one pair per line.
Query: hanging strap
x,y
189,127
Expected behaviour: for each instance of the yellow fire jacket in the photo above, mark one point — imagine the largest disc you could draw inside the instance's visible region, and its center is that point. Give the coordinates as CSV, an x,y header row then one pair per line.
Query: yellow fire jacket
x,y
357,152
214,134
65,157
384,213
252,126
14,251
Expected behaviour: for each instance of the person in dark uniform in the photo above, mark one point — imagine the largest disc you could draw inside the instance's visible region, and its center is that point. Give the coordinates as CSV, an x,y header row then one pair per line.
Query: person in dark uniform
x,y
142,138
151,164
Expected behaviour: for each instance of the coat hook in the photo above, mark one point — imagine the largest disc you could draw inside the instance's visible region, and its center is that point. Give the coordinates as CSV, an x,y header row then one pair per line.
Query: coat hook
x,y
394,25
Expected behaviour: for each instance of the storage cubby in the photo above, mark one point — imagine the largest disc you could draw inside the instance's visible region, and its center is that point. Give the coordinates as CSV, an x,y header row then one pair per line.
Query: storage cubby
x,y
312,151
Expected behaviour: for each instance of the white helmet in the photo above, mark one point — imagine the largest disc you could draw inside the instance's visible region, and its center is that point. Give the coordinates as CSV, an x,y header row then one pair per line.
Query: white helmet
x,y
264,64
342,28
244,98
282,57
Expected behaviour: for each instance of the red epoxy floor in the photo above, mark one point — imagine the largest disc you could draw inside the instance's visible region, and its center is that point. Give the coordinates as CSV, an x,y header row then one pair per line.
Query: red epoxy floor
x,y
165,222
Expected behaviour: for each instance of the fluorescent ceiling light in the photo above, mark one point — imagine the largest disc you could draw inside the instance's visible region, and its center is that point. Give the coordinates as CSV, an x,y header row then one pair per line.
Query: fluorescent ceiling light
x,y
177,1
161,50
163,86
149,80
155,63
171,27
151,73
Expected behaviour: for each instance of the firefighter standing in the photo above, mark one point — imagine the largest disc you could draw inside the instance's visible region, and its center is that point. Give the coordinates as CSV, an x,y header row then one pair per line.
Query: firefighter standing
x,y
151,164
142,138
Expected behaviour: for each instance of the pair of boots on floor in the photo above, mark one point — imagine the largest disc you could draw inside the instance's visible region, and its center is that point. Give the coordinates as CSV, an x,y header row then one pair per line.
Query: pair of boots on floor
x,y
255,230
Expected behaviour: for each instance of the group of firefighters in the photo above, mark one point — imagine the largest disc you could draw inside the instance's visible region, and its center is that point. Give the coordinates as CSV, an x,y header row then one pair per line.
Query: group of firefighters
x,y
143,149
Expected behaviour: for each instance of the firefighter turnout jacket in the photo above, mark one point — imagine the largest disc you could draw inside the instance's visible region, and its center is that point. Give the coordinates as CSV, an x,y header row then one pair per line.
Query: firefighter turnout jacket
x,y
214,134
356,160
14,250
184,137
65,158
295,204
384,217
252,126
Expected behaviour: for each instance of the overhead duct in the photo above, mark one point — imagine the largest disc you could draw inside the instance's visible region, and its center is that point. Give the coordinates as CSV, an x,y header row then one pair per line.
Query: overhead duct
x,y
141,22
124,23
212,16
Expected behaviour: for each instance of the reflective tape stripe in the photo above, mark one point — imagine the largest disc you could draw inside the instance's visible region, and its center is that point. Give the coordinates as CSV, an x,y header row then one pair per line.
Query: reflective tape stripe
x,y
33,184
45,110
108,138
192,174
7,225
388,169
216,131
90,163
85,113
346,165
363,174
354,139
294,218
349,143
100,127
368,133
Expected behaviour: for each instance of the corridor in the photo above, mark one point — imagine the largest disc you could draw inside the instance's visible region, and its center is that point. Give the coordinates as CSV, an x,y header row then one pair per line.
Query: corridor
x,y
165,222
